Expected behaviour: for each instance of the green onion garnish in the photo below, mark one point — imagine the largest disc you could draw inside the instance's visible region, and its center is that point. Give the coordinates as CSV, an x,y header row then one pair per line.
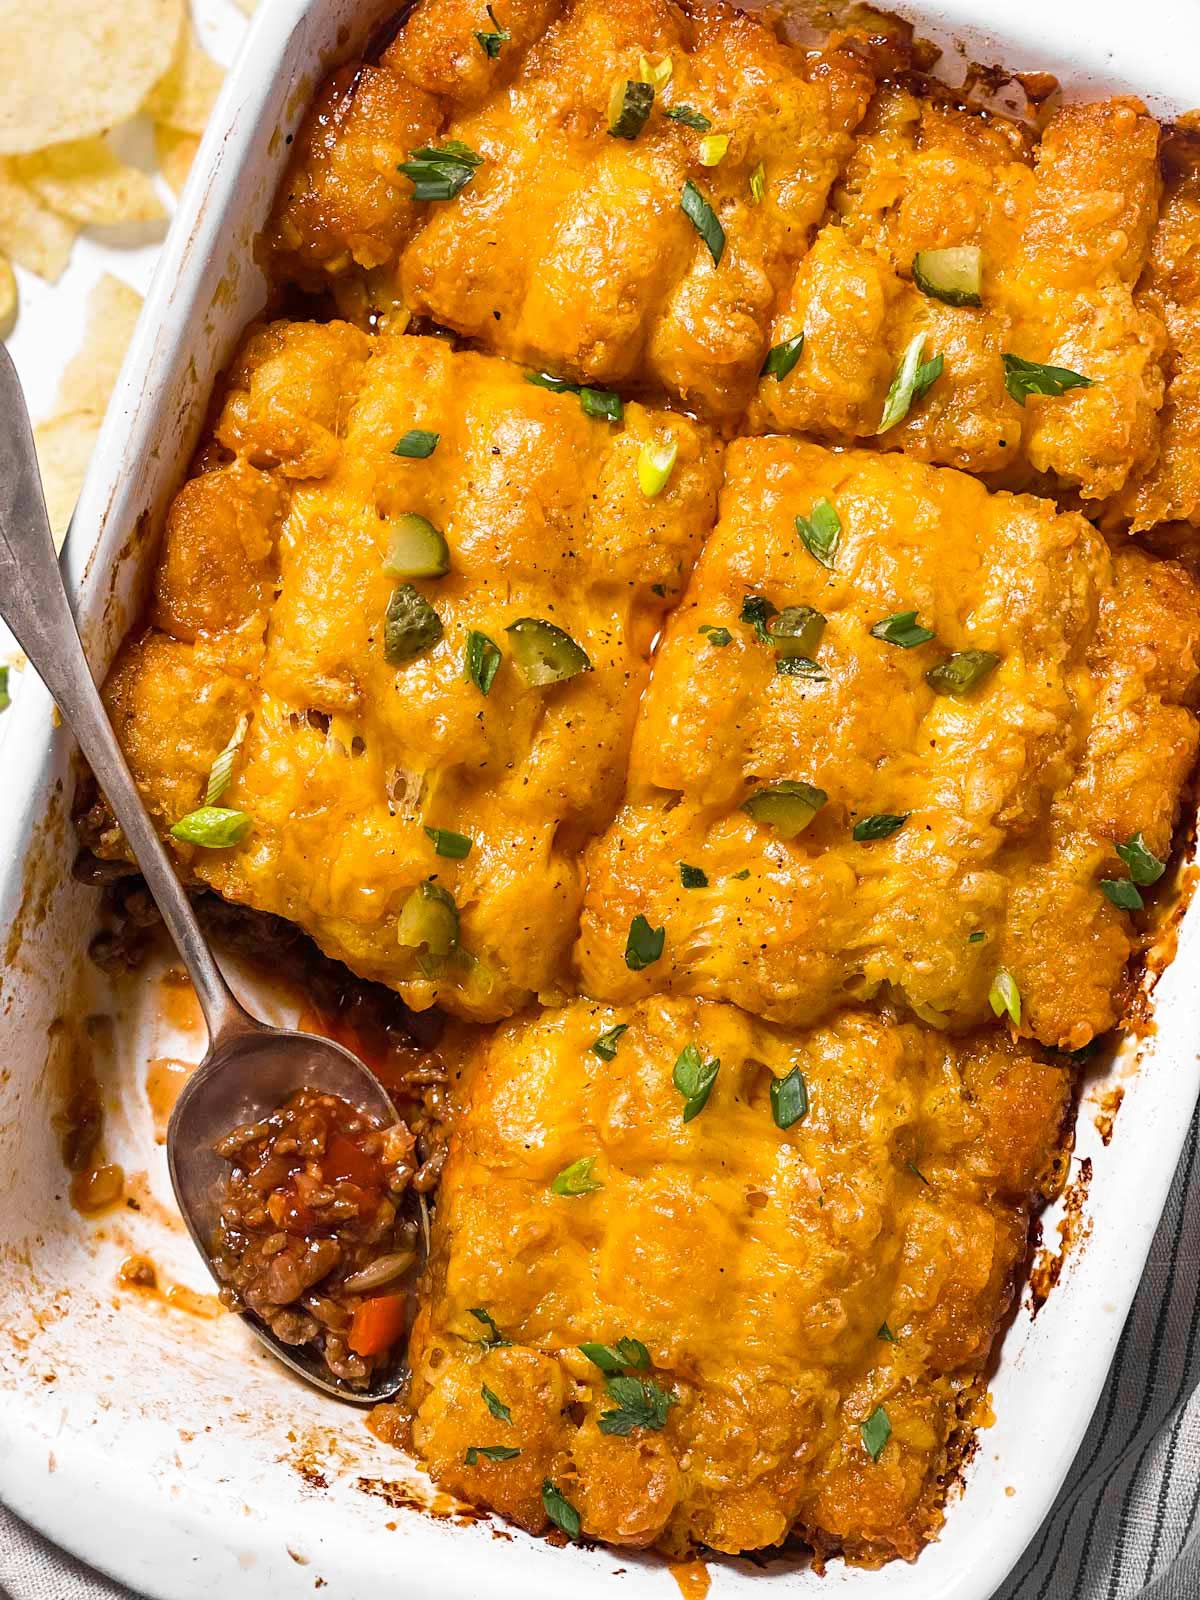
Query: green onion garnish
x,y
781,358
601,403
694,1078
963,671
547,380
704,219
903,629
1023,378
820,531
644,944
605,1044
656,462
689,118
714,147
495,1405
796,631
5,697
914,378
1004,997
576,1179
880,826
789,1099
876,1431
440,174
454,846
801,667
212,828
758,185
418,444
490,43
220,774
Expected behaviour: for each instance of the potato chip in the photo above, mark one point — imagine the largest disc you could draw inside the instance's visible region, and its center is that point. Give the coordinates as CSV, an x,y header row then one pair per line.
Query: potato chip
x,y
176,152
90,374
34,236
64,448
8,297
84,181
184,97
73,68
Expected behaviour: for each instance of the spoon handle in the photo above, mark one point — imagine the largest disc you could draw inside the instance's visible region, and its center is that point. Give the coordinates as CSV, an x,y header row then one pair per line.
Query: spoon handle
x,y
34,603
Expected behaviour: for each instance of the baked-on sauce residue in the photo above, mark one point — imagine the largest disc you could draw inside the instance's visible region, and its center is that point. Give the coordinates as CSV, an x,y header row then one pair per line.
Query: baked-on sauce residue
x,y
1073,1229
692,1578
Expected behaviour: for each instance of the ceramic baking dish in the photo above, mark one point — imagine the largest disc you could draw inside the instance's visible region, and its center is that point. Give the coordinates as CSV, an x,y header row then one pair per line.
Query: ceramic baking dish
x,y
161,1445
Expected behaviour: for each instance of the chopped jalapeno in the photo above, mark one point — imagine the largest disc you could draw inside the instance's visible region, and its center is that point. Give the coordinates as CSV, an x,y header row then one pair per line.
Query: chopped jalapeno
x,y
417,549
692,877
212,827
953,275
963,671
704,219
628,107
781,358
757,612
543,653
410,626
796,631
787,807
429,917
1023,378
656,462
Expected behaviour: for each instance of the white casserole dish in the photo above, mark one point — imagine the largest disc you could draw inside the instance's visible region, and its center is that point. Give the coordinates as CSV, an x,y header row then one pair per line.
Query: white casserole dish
x,y
166,1449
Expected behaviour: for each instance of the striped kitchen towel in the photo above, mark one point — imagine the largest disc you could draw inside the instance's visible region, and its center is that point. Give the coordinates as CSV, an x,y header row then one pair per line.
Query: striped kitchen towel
x,y
1126,1524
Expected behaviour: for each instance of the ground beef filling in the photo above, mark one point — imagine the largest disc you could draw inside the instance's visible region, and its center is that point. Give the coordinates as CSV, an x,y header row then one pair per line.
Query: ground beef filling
x,y
311,1237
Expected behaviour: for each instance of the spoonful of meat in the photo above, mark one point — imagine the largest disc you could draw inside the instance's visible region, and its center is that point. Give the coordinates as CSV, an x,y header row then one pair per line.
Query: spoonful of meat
x,y
288,1159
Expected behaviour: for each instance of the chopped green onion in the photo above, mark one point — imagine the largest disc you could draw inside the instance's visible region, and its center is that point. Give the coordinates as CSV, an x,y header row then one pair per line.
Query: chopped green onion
x,y
913,378
704,219
493,1339
495,1405
418,444
601,403
694,1078
656,462
1144,866
800,667
547,380
417,549
212,828
1023,378
820,531
719,637
692,877
628,107
963,671
454,846
757,612
490,43
689,118
641,1404
560,1510
886,1333
758,185
714,147
1004,997
738,876
440,174
953,276
656,72
789,1099
409,626
880,826
796,631
613,1359
787,807
903,629
1124,895
481,661
605,1044
781,358
543,653
220,774
5,697
917,1173
876,1431
429,918
576,1179
977,937
489,1452
644,944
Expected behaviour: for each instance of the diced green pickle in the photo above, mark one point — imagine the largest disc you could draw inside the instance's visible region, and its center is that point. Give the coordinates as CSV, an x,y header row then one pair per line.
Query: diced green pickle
x,y
796,631
628,107
543,653
787,807
410,626
954,276
429,919
418,550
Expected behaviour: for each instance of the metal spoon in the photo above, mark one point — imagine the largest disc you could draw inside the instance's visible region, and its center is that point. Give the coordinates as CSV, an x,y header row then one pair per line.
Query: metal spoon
x,y
250,1068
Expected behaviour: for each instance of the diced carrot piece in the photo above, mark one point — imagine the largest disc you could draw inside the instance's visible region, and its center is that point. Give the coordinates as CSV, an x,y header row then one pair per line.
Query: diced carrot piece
x,y
377,1325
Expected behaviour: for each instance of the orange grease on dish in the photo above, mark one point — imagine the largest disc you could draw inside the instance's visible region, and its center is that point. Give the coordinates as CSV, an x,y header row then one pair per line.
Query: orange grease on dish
x,y
165,1078
692,1578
